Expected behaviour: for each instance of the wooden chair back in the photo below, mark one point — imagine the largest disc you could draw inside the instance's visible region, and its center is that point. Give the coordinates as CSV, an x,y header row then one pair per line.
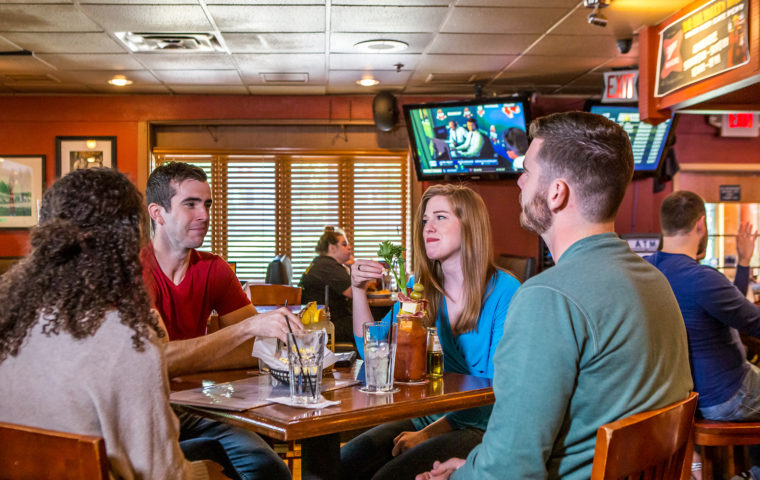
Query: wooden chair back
x,y
655,444
268,294
35,453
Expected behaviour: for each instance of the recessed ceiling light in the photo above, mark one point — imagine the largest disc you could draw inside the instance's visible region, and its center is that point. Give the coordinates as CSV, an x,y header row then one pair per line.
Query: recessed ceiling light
x,y
381,46
120,81
367,82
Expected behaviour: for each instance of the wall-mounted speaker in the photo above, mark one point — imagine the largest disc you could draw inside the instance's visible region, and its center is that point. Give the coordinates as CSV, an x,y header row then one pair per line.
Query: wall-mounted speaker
x,y
384,111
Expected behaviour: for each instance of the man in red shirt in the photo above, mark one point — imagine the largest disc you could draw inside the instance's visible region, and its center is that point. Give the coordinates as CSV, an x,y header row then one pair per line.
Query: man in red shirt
x,y
186,285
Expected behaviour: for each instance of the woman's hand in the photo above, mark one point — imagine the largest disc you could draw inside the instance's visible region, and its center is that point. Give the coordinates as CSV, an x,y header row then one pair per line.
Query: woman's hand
x,y
362,271
408,440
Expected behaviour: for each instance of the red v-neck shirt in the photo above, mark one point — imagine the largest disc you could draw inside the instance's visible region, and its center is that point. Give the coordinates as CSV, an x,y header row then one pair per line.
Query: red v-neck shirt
x,y
209,284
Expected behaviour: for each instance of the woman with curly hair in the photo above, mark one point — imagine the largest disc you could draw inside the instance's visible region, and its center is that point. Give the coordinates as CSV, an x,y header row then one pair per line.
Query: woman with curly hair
x,y
78,342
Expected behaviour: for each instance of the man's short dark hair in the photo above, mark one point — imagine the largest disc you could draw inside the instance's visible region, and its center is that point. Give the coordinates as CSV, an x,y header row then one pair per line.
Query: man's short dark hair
x,y
160,189
680,211
473,121
593,153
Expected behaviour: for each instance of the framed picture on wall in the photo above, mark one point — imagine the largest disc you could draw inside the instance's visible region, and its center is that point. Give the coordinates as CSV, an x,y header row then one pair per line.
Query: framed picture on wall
x,y
84,152
22,179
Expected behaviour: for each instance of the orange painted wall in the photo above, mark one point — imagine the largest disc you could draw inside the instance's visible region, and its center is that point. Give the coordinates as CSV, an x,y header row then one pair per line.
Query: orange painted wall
x,y
29,125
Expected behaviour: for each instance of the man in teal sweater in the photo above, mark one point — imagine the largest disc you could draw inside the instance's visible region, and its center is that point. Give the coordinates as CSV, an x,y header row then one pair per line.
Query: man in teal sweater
x,y
594,339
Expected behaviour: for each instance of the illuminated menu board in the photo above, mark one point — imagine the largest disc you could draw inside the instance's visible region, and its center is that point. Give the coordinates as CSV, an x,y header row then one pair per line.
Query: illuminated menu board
x,y
647,141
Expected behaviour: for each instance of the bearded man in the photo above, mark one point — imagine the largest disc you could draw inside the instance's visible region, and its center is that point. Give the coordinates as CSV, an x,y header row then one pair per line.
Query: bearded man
x,y
595,338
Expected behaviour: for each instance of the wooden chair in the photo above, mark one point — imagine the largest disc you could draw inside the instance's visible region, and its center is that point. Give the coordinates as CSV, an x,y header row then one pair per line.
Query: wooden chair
x,y
715,436
268,294
521,267
35,453
655,444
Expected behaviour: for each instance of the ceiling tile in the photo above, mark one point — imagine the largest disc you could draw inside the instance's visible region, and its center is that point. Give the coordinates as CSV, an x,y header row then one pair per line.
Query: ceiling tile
x,y
372,61
385,77
7,46
206,77
209,89
66,42
517,3
275,42
622,61
58,88
11,64
288,62
44,18
386,19
101,77
548,65
92,61
490,44
348,89
623,21
592,79
402,3
574,46
262,2
149,18
464,63
270,18
185,61
501,20
344,42
287,89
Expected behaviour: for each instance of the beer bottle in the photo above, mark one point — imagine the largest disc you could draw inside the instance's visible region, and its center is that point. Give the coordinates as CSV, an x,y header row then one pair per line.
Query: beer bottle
x,y
434,354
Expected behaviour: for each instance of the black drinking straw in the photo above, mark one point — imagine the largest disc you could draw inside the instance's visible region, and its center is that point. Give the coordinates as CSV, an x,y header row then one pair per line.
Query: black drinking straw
x,y
298,352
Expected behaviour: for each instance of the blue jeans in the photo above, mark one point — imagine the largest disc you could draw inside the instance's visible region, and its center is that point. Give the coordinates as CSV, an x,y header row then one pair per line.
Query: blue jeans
x,y
743,406
208,449
369,455
251,456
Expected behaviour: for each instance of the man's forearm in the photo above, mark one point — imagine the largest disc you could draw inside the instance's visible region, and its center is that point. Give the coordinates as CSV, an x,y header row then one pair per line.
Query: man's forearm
x,y
207,352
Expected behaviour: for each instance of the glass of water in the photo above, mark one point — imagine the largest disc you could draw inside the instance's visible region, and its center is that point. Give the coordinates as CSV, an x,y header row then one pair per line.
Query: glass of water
x,y
379,356
305,354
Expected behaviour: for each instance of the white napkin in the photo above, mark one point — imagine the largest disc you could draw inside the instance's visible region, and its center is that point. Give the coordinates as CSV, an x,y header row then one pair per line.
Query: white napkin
x,y
321,404
265,349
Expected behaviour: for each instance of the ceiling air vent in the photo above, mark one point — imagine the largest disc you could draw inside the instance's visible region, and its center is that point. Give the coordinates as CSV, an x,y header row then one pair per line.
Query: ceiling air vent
x,y
284,77
448,78
170,42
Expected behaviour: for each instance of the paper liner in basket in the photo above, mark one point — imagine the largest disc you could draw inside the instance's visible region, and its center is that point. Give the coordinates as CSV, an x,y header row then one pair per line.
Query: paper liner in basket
x,y
265,349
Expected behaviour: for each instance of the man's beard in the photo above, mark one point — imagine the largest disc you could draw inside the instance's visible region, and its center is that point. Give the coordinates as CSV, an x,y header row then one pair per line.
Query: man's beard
x,y
536,216
702,248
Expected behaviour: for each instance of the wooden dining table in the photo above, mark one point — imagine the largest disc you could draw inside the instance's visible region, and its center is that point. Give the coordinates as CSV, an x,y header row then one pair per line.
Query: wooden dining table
x,y
319,430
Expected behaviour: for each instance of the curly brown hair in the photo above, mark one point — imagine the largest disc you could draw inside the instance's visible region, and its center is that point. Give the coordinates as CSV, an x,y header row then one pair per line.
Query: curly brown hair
x,y
84,262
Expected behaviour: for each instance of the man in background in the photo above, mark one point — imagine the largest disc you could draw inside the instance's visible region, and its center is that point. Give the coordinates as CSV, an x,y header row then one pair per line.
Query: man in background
x,y
714,310
185,286
597,337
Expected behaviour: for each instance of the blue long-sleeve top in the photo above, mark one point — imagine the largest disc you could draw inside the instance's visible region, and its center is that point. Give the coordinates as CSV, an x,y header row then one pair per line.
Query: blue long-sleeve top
x,y
469,353
714,310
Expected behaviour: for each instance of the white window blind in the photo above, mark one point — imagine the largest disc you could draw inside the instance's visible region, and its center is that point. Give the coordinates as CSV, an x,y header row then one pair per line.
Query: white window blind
x,y
265,205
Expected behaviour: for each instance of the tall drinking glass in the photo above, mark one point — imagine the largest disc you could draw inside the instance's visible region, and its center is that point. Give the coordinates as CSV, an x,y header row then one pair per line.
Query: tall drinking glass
x,y
305,353
379,356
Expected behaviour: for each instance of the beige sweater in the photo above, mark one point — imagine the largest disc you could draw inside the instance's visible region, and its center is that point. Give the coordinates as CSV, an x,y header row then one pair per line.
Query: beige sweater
x,y
99,386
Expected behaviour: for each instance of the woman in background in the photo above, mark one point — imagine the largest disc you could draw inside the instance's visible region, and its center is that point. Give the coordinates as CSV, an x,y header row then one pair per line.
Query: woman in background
x,y
468,299
79,346
328,269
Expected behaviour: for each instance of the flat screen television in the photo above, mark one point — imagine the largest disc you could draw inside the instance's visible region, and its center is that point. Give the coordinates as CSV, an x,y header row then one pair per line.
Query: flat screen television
x,y
650,143
479,138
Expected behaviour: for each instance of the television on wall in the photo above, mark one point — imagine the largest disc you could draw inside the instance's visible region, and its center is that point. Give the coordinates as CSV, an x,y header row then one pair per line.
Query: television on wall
x,y
650,143
480,138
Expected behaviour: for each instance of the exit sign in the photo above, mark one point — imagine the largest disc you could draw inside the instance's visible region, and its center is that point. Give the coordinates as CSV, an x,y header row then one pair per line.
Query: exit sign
x,y
621,86
740,125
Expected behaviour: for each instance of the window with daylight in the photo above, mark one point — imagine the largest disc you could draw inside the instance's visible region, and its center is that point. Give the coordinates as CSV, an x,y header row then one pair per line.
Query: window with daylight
x,y
267,205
